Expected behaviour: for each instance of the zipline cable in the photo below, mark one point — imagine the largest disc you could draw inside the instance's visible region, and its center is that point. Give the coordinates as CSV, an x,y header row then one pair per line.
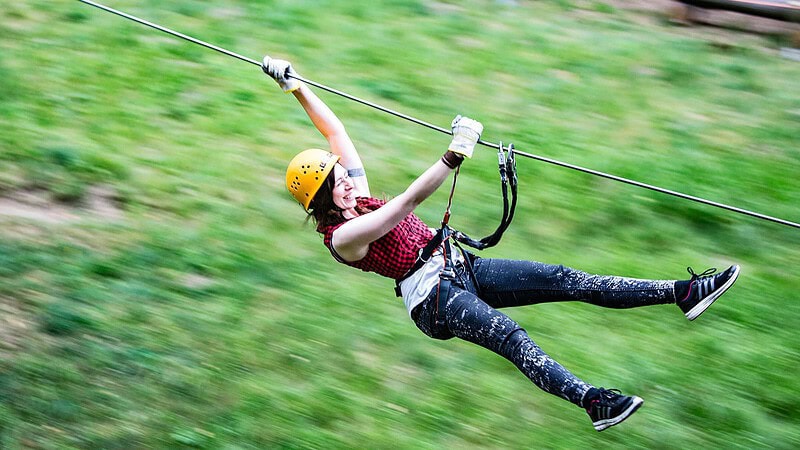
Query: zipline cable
x,y
446,131
256,63
172,32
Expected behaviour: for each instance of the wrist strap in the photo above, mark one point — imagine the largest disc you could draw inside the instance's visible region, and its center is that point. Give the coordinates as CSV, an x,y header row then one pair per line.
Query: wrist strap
x,y
452,159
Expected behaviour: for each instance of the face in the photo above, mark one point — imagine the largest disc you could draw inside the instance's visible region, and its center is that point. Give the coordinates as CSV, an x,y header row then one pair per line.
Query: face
x,y
343,193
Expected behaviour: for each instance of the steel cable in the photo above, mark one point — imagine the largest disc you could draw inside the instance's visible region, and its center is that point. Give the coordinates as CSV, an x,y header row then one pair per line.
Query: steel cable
x,y
449,132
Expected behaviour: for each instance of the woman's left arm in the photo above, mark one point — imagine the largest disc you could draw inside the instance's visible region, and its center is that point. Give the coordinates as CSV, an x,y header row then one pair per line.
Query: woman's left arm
x,y
353,238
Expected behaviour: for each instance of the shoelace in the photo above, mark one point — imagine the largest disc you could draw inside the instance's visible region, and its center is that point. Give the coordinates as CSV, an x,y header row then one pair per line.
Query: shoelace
x,y
609,393
605,396
707,272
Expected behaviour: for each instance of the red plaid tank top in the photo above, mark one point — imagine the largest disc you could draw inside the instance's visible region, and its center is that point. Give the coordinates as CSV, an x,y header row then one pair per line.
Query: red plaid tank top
x,y
394,253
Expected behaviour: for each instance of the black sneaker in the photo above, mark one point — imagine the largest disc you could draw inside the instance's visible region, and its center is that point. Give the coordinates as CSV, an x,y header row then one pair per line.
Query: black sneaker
x,y
705,288
612,408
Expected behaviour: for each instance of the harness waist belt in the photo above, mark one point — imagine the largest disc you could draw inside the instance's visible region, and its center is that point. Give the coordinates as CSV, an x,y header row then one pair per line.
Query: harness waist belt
x,y
423,258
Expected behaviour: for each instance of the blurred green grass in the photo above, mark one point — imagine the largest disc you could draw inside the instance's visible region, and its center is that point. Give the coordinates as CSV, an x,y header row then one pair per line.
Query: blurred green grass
x,y
205,315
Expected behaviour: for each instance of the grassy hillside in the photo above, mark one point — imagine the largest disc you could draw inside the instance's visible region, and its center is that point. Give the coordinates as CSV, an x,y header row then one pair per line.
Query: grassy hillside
x,y
158,288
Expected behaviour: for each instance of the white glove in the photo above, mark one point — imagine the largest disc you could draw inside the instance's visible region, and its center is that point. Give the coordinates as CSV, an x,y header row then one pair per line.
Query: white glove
x,y
466,133
278,69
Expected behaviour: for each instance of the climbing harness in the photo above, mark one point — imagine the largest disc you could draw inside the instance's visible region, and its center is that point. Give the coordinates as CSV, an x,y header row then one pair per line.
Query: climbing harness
x,y
508,175
446,131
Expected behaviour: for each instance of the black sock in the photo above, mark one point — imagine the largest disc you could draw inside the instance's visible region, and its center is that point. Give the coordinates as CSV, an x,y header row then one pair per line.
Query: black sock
x,y
681,289
591,394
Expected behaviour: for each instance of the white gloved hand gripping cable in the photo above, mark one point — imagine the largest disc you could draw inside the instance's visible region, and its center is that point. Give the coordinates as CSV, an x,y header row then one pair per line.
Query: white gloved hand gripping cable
x,y
279,70
466,133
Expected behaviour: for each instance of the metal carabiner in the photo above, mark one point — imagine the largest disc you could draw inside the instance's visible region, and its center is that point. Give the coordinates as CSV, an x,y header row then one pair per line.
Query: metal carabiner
x,y
501,162
511,165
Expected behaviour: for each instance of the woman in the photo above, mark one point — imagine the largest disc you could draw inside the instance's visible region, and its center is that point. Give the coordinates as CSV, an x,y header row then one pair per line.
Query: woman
x,y
387,238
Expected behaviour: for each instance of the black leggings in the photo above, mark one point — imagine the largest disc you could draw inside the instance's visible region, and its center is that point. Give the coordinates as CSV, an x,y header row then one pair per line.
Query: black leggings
x,y
471,314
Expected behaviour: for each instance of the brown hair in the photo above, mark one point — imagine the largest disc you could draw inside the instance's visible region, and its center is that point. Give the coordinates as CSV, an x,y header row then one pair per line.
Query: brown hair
x,y
322,208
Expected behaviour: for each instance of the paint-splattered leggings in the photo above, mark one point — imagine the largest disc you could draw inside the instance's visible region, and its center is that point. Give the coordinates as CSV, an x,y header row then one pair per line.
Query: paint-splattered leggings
x,y
504,283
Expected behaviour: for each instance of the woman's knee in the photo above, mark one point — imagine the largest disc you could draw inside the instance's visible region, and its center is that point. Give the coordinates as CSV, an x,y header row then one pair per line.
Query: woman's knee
x,y
514,342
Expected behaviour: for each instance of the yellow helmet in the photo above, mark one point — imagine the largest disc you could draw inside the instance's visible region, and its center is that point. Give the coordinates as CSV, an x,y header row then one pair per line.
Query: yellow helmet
x,y
306,173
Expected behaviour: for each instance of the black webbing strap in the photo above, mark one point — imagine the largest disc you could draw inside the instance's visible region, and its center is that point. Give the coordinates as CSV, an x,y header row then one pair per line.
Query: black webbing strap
x,y
446,278
508,176
423,257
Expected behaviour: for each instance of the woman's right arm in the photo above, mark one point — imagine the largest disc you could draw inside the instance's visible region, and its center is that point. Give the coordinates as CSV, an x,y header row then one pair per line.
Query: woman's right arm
x,y
324,120
333,130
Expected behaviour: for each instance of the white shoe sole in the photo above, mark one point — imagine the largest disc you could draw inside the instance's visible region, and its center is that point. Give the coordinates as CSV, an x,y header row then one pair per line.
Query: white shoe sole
x,y
601,425
711,298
